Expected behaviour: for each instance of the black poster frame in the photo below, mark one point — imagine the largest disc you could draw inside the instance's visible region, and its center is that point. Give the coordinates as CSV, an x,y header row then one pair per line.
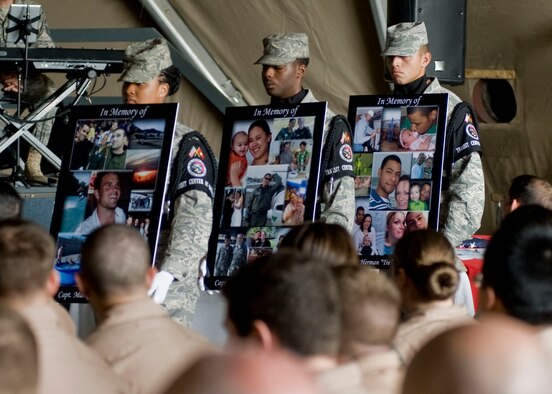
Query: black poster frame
x,y
381,130
140,174
294,176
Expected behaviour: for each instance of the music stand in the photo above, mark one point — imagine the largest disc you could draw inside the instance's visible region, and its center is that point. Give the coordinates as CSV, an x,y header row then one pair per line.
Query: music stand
x,y
23,22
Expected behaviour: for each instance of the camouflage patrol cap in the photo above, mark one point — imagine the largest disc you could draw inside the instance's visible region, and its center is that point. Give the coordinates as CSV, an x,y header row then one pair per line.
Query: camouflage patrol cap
x,y
404,39
284,48
144,60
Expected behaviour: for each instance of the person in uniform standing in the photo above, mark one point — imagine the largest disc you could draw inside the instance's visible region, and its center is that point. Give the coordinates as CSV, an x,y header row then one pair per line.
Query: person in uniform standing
x,y
149,77
407,56
285,60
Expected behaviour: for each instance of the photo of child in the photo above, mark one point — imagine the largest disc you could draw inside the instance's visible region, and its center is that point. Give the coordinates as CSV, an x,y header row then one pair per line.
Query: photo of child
x,y
294,212
411,140
237,165
302,157
415,204
367,249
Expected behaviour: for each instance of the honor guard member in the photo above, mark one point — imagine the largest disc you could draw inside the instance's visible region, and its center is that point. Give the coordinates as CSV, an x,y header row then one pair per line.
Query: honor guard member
x,y
407,56
285,60
149,77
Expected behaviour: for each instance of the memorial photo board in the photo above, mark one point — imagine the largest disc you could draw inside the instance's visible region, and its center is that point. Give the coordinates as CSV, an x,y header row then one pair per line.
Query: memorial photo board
x,y
268,181
398,150
114,170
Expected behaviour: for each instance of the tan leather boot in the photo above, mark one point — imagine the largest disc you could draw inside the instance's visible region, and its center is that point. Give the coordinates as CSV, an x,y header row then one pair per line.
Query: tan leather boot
x,y
33,173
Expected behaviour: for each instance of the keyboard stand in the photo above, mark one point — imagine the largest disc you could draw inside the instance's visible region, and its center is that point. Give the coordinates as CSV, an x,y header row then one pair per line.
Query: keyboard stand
x,y
77,83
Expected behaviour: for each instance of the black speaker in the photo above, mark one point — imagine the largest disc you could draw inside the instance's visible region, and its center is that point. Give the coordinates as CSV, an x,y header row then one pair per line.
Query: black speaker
x,y
445,21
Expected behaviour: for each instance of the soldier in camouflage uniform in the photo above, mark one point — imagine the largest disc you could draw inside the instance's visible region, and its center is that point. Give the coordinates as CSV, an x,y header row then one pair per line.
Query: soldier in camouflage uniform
x,y
41,85
285,60
239,257
407,57
462,204
224,257
149,77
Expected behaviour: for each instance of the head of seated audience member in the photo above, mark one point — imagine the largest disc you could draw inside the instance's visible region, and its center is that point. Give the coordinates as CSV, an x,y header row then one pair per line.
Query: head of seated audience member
x,y
273,372
26,273
10,202
528,189
288,300
370,311
18,355
517,270
330,242
423,268
500,355
115,267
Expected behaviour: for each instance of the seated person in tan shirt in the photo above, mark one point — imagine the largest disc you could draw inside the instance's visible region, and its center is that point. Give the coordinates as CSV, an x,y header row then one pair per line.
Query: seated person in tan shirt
x,y
286,301
135,336
27,284
18,354
370,312
246,372
423,268
500,355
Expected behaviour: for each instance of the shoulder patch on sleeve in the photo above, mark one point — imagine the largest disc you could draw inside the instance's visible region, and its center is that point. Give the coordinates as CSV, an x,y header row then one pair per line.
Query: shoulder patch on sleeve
x,y
194,167
462,133
337,153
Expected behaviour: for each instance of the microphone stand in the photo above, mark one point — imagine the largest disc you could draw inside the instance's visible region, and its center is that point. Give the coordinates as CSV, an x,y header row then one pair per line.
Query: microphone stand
x,y
17,174
25,29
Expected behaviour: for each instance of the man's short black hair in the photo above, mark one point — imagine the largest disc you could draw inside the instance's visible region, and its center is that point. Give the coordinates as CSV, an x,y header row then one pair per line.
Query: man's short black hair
x,y
294,295
390,158
99,177
530,189
302,60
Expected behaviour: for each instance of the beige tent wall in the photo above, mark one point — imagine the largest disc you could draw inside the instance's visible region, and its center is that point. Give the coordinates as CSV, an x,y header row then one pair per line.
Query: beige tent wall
x,y
502,34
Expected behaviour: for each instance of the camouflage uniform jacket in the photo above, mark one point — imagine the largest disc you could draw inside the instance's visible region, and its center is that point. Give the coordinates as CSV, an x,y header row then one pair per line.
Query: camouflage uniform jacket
x,y
190,227
43,37
42,129
338,205
462,204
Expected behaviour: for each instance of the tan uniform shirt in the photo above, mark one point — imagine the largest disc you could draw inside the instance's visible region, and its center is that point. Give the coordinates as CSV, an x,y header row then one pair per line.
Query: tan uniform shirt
x,y
144,346
419,328
66,364
545,338
381,373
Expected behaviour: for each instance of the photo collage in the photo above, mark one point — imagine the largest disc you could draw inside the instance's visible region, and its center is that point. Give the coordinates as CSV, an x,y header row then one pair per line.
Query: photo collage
x,y
266,183
394,149
113,174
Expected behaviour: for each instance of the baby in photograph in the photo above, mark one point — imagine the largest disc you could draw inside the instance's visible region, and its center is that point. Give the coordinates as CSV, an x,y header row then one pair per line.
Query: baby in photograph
x,y
238,161
413,141
367,249
415,204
